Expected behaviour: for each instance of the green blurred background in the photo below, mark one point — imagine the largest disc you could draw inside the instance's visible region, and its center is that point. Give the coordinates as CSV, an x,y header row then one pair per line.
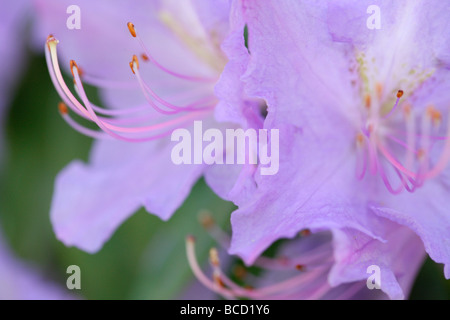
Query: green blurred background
x,y
146,257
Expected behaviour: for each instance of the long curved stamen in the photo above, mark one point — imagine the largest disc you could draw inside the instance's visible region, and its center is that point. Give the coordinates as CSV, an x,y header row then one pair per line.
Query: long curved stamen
x,y
195,106
424,152
134,65
135,34
108,84
399,96
200,104
444,159
111,129
313,258
387,183
393,161
56,76
83,130
213,229
405,145
68,101
316,258
190,250
405,181
373,154
416,169
234,290
108,125
362,157
60,85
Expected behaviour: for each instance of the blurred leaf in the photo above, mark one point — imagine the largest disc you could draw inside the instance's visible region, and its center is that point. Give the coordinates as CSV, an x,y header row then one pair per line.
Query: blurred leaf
x,y
165,271
430,283
39,145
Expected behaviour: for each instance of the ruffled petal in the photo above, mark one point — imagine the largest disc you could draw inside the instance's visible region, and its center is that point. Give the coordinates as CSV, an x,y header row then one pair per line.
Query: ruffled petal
x,y
308,195
425,212
302,84
398,259
235,182
91,201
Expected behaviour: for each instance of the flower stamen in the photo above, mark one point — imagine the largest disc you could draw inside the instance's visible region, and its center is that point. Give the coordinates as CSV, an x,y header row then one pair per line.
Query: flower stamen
x,y
224,286
106,124
150,58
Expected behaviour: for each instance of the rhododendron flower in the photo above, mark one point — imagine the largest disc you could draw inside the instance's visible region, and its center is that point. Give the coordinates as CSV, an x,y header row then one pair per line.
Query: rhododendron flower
x,y
176,53
364,134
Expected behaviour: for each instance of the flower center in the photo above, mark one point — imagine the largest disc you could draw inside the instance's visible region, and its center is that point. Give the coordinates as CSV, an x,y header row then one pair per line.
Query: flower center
x,y
205,45
399,143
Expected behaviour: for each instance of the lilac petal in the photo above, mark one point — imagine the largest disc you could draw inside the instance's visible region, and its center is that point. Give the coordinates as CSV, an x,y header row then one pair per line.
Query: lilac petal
x,y
205,19
295,65
315,185
326,201
425,212
399,258
403,24
91,201
232,181
304,248
301,73
234,105
214,17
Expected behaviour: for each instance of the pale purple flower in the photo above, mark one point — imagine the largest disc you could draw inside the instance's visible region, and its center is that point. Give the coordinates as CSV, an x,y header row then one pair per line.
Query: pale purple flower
x,y
178,53
363,119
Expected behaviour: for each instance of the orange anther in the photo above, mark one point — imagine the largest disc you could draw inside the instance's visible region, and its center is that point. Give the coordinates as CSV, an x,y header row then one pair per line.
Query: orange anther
x,y
73,64
132,29
62,107
368,101
379,90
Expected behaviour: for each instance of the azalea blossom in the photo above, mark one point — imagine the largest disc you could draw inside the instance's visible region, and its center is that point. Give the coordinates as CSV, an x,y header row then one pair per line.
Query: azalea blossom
x,y
157,65
363,118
